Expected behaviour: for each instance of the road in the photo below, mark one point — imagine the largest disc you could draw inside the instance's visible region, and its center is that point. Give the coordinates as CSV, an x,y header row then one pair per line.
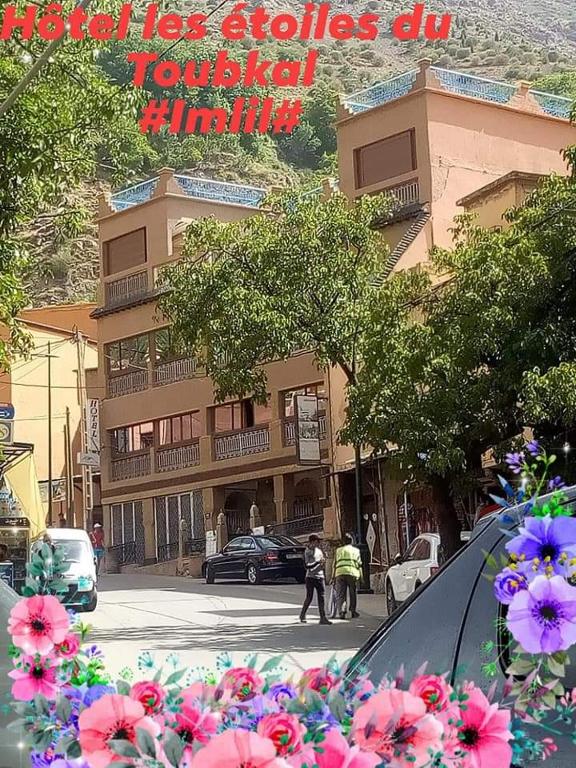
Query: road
x,y
198,622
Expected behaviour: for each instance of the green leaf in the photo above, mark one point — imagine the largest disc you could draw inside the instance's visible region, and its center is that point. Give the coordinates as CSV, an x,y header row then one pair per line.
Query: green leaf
x,y
556,668
63,709
252,661
145,742
175,677
123,687
123,747
271,664
173,748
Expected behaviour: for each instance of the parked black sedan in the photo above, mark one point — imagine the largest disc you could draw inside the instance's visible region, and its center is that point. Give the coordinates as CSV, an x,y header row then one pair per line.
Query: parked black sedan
x,y
257,558
455,623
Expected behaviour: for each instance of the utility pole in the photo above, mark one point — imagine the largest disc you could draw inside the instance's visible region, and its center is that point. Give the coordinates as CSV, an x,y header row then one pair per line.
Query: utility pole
x,y
362,546
69,472
50,517
87,502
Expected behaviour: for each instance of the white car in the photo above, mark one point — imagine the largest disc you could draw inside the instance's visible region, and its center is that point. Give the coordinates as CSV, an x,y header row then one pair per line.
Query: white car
x,y
422,560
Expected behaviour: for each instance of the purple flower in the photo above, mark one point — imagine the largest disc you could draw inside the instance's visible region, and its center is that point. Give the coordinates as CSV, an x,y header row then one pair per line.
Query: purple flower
x,y
542,618
515,461
507,584
556,483
279,692
533,448
547,542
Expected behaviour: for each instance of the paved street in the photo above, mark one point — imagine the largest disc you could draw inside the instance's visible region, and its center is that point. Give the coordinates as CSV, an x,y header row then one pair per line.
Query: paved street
x,y
198,621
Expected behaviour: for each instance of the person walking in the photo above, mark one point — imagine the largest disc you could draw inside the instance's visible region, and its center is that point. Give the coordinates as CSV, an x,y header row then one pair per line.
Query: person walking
x,y
97,539
315,561
347,572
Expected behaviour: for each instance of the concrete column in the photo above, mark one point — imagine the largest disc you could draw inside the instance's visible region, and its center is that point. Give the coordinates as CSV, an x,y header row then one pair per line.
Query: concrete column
x,y
213,503
149,529
283,496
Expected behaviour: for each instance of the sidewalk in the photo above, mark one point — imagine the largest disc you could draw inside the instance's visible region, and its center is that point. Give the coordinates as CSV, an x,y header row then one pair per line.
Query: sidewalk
x,y
373,605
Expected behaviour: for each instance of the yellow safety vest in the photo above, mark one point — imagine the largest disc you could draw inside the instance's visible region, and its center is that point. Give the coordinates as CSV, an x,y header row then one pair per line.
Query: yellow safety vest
x,y
348,561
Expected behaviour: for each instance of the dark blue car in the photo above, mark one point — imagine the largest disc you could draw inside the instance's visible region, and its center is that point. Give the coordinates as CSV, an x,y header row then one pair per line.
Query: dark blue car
x,y
448,621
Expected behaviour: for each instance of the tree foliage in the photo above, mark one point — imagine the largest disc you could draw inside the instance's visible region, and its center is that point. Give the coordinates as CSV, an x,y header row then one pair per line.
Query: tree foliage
x,y
299,275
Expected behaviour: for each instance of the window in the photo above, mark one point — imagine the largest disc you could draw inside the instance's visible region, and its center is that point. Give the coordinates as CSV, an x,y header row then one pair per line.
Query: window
x,y
138,437
385,159
419,550
128,354
125,252
310,389
165,347
179,429
127,525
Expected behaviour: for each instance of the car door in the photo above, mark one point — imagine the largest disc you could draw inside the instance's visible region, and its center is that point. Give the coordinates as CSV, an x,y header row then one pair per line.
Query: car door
x,y
239,557
225,564
424,562
408,570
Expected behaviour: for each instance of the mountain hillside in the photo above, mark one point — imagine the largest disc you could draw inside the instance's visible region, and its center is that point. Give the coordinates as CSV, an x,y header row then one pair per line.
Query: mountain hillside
x,y
504,39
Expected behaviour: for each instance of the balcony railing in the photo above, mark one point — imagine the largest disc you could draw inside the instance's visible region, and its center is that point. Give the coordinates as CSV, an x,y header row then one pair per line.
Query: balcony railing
x,y
169,459
290,429
406,193
194,547
242,443
167,552
460,83
129,553
134,195
221,191
130,466
174,370
126,383
126,290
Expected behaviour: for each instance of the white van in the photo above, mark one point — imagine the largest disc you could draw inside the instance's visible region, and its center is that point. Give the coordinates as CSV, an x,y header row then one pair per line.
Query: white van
x,y
80,576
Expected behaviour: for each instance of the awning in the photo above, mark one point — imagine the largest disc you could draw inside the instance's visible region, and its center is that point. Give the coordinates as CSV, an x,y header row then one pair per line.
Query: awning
x,y
19,473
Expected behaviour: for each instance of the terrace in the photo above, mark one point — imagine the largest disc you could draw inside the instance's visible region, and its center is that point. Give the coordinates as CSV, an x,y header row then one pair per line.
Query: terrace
x,y
190,186
519,95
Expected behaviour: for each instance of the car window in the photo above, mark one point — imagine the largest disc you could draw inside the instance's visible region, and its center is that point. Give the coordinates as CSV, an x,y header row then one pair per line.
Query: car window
x,y
275,542
232,546
420,550
240,544
73,551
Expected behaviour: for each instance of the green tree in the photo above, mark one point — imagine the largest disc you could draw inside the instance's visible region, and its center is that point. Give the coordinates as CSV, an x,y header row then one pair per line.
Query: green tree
x,y
489,352
560,83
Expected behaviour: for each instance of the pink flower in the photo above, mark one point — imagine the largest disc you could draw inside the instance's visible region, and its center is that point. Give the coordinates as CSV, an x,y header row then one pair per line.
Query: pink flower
x,y
317,679
33,679
284,730
242,682
336,753
433,690
199,691
395,725
484,732
238,749
195,725
111,717
69,647
150,694
38,623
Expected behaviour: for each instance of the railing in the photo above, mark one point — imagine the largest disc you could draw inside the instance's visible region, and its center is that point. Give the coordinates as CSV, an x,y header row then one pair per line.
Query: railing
x,y
169,459
460,83
126,289
381,93
290,429
129,467
406,193
477,87
242,443
129,553
298,527
167,552
194,547
174,370
556,106
134,195
126,383
221,191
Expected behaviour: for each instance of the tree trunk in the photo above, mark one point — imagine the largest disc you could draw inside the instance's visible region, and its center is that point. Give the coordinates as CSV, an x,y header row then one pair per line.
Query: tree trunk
x,y
448,524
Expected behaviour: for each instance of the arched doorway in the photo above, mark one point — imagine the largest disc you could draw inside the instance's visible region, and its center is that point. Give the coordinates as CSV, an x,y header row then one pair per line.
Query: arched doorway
x,y
237,511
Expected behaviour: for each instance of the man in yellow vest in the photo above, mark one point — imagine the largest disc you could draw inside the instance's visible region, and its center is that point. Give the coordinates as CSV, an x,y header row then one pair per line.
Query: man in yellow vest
x,y
347,572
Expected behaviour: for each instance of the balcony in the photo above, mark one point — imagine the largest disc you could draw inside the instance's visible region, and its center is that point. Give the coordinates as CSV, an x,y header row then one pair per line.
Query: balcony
x,y
130,467
461,84
406,194
170,459
174,370
299,526
127,383
126,290
245,442
290,429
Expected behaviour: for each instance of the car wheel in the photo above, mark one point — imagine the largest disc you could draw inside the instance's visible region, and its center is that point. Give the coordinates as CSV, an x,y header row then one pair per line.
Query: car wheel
x,y
90,606
390,599
210,577
253,574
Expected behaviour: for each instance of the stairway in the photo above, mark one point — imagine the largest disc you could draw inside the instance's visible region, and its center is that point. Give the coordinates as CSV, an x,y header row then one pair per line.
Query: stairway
x,y
406,241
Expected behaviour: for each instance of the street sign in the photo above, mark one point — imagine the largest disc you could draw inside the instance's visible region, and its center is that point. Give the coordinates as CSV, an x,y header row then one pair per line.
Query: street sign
x,y
93,426
6,411
89,459
6,432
